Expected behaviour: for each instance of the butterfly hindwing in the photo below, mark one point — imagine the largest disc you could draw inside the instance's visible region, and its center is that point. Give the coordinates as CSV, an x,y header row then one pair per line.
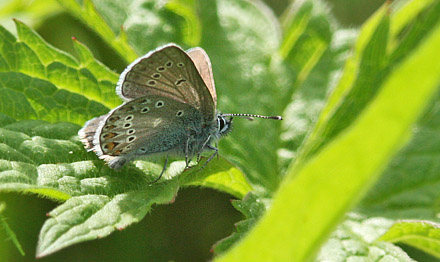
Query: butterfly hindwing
x,y
144,126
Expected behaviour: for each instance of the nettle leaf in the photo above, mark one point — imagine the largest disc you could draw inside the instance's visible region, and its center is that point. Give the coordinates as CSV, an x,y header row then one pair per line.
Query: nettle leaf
x,y
42,86
32,12
311,58
223,177
249,76
130,28
47,159
354,240
252,207
424,235
40,82
361,79
192,30
5,227
346,164
95,216
314,48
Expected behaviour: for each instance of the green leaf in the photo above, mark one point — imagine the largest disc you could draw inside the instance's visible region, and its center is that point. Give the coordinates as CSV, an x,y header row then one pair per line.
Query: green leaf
x,y
407,14
192,31
32,12
354,239
249,77
96,216
252,207
310,92
308,35
254,79
223,177
11,235
358,84
131,29
364,149
424,235
87,13
48,160
317,55
40,82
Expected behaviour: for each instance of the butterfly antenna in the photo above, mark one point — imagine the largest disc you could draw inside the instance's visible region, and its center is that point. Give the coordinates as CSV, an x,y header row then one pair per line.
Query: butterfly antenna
x,y
251,116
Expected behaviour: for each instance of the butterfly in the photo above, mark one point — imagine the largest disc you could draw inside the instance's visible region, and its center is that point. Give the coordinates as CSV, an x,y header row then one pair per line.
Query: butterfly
x,y
170,109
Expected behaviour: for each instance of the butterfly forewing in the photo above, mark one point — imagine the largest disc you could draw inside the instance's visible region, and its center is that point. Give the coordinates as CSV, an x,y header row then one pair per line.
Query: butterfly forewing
x,y
167,72
203,65
147,125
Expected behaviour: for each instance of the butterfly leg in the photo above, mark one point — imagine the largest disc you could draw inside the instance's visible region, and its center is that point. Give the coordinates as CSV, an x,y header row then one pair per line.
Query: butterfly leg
x,y
187,153
204,144
210,157
161,173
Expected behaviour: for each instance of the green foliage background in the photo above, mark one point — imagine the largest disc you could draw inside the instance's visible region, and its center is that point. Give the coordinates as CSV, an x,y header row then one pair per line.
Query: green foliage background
x,y
358,103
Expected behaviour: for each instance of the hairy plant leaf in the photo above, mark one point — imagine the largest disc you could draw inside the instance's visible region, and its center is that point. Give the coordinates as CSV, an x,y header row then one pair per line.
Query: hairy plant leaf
x,y
309,92
131,29
32,12
315,190
424,235
252,207
224,177
95,216
192,31
5,227
42,84
354,240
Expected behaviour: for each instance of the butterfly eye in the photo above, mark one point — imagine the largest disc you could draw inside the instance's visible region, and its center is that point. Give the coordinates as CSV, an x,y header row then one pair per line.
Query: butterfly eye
x,y
131,131
160,69
127,125
180,64
159,104
151,82
129,117
145,109
221,124
169,64
156,75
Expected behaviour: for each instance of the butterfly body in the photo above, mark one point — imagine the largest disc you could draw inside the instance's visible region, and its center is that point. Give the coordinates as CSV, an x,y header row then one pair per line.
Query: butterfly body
x,y
169,109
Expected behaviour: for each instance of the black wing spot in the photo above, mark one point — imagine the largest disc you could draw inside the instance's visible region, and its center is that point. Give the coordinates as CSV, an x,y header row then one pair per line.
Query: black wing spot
x,y
180,81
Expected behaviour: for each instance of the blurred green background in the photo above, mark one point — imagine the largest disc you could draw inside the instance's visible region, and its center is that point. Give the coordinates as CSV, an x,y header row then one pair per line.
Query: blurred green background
x,y
182,231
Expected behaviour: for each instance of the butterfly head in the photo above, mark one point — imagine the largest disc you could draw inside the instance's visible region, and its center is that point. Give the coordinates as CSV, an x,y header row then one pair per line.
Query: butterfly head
x,y
224,124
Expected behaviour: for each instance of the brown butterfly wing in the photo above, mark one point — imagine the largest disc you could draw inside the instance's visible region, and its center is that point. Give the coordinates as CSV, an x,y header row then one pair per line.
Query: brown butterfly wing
x,y
143,126
203,65
167,72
